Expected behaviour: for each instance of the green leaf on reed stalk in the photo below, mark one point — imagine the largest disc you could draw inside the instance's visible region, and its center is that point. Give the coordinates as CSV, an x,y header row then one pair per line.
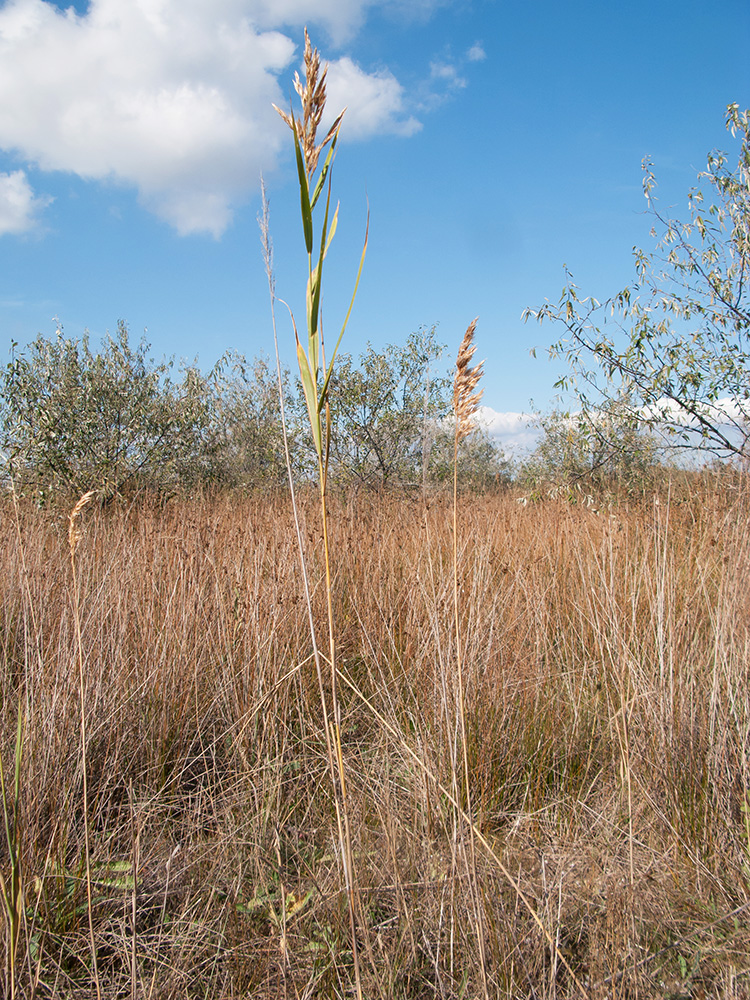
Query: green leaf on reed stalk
x,y
304,194
311,397
314,286
312,299
332,232
329,370
325,168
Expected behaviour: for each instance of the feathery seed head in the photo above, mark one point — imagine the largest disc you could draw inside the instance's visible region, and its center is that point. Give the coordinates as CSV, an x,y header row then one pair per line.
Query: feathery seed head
x,y
312,93
74,530
465,397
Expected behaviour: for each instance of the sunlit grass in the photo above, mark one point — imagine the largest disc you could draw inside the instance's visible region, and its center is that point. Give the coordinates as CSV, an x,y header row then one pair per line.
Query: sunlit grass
x,y
606,712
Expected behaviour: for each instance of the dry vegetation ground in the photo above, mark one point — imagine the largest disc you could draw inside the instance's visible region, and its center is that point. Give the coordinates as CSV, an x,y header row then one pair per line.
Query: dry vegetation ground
x,y
608,715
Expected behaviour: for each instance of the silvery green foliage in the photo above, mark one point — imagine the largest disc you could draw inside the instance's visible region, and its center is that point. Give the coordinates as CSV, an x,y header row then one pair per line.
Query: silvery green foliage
x,y
391,420
672,347
243,442
481,462
606,447
74,419
386,407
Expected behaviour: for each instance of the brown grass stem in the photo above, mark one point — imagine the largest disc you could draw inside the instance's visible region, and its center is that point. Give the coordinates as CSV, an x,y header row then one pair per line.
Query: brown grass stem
x,y
215,852
74,537
465,402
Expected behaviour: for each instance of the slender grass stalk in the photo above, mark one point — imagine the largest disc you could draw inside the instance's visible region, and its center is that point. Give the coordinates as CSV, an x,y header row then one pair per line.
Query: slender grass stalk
x,y
476,832
315,375
317,655
136,841
465,402
12,889
74,537
267,245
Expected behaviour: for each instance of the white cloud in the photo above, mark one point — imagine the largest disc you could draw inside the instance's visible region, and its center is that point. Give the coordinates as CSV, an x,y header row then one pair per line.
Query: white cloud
x,y
447,73
374,101
476,53
19,207
735,411
516,432
173,97
341,18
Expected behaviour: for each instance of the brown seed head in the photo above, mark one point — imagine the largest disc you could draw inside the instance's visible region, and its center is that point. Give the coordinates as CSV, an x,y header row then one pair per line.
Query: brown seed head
x,y
465,397
74,530
312,93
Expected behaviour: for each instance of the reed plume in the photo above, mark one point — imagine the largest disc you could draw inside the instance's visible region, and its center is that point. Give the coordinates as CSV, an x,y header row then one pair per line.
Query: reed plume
x,y
465,404
312,93
74,525
465,398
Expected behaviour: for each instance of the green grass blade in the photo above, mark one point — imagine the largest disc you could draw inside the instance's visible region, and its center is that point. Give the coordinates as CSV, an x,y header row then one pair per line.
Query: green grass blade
x,y
304,194
19,754
324,171
311,397
332,231
329,372
312,301
328,441
6,898
315,285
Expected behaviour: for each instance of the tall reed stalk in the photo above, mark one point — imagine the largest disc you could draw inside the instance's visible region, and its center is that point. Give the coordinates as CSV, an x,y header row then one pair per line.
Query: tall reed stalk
x,y
315,374
466,398
11,889
74,537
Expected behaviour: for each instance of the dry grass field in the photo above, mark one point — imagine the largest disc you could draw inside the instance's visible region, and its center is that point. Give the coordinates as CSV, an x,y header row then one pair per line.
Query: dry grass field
x,y
606,663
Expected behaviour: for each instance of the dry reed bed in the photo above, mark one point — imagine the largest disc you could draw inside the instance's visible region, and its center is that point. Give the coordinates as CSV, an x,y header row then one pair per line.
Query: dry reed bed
x,y
606,666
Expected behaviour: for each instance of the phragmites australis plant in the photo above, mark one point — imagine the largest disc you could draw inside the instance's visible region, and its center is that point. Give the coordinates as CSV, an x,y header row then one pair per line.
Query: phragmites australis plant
x,y
74,538
466,399
315,375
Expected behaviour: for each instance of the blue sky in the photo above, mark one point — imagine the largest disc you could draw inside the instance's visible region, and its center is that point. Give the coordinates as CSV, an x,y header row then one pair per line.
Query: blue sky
x,y
494,142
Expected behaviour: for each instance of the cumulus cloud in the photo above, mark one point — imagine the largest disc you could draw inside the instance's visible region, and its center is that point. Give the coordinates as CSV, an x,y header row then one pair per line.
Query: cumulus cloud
x,y
341,18
476,53
173,97
725,411
374,101
515,432
19,206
